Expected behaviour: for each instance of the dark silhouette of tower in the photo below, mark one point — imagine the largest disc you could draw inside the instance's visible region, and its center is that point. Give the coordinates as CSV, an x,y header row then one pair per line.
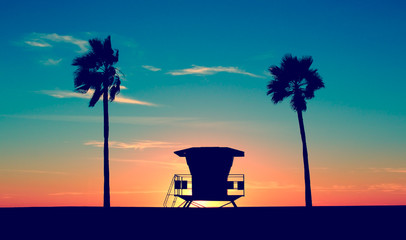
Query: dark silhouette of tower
x,y
210,179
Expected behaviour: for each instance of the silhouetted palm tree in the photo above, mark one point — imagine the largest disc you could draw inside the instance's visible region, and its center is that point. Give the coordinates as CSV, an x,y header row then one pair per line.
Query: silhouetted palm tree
x,y
96,71
295,78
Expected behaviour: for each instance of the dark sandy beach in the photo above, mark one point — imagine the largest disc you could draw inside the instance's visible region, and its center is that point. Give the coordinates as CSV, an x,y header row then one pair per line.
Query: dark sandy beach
x,y
210,223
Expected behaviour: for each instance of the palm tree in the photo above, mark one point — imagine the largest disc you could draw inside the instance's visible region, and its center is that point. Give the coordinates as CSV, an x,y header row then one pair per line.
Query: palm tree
x,y
96,72
295,78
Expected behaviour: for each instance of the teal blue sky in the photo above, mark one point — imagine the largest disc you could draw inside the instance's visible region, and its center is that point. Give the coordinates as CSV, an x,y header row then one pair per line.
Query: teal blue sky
x,y
199,69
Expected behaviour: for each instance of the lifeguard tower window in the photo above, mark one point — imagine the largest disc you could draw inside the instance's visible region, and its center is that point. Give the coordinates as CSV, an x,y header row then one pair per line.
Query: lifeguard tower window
x,y
240,185
180,184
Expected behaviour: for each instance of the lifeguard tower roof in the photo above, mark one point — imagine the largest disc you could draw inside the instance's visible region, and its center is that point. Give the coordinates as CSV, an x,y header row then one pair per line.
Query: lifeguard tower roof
x,y
210,151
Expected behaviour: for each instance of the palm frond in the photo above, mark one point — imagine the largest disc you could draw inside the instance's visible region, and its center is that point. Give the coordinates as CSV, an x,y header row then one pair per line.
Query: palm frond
x,y
85,79
305,63
115,56
288,61
278,90
314,82
97,47
89,60
96,96
115,89
95,70
110,72
298,102
275,71
108,51
294,77
107,46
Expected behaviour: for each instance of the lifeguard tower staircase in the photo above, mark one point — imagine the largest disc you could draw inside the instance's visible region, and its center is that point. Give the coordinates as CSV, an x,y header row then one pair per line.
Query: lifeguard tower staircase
x,y
209,179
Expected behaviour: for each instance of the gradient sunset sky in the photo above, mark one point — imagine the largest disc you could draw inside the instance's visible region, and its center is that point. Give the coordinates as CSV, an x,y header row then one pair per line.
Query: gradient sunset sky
x,y
195,74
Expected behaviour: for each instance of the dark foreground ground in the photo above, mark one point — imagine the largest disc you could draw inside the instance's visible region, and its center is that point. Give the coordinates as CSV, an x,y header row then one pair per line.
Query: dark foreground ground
x,y
385,222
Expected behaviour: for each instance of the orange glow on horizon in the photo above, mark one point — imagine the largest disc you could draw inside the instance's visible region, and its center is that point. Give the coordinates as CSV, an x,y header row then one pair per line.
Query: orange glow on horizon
x,y
142,177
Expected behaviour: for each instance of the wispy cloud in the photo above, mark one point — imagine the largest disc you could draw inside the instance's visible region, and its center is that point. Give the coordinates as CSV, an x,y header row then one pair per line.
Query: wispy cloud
x,y
384,187
68,193
339,188
269,185
88,95
200,70
7,195
136,145
189,122
388,187
394,170
151,121
389,170
51,61
121,99
115,119
43,39
151,68
65,94
33,171
171,165
82,44
138,192
38,44
112,192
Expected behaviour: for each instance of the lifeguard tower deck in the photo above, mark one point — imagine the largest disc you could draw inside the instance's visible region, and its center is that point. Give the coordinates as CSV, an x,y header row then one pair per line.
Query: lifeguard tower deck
x,y
209,179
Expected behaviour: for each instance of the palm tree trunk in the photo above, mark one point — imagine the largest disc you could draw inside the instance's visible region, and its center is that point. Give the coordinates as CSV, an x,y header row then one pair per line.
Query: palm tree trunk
x,y
106,198
308,191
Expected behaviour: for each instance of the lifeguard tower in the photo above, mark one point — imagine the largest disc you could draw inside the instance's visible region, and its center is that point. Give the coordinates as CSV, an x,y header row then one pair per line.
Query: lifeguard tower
x,y
209,179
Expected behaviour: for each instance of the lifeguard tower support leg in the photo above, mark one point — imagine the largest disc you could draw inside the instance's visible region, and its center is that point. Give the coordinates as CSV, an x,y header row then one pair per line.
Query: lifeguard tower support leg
x,y
232,201
187,204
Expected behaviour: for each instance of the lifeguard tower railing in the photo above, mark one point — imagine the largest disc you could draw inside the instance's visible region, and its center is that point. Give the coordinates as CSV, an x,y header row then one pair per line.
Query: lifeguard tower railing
x,y
182,184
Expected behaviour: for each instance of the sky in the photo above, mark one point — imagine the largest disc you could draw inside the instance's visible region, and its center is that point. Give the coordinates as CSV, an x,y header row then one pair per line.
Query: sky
x,y
194,75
